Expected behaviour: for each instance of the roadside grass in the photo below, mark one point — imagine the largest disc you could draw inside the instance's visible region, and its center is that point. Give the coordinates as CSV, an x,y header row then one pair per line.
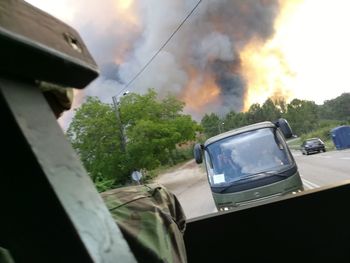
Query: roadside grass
x,y
167,168
182,156
294,144
323,133
329,145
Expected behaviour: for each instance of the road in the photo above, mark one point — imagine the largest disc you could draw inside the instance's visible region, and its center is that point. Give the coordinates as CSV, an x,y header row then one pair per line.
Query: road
x,y
323,169
190,185
189,182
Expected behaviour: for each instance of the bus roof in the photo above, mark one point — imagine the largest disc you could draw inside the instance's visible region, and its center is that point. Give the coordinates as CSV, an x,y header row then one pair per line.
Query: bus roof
x,y
260,125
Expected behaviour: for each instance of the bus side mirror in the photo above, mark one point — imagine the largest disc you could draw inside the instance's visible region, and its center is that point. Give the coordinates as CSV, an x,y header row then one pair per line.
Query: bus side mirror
x,y
197,152
284,127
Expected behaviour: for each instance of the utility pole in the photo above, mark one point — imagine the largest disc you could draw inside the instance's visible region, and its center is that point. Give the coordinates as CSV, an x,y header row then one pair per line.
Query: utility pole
x,y
116,102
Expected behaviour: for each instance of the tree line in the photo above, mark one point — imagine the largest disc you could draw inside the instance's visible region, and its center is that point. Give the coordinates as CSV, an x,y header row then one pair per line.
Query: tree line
x,y
303,116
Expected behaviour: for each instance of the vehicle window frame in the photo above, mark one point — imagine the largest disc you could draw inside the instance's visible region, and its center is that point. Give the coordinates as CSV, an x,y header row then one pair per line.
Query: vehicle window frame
x,y
278,138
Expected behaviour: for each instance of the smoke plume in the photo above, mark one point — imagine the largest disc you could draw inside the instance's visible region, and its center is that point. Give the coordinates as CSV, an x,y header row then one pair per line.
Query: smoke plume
x,y
201,64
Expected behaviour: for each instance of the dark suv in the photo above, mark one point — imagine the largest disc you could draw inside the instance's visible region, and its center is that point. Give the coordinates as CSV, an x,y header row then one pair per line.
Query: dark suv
x,y
313,145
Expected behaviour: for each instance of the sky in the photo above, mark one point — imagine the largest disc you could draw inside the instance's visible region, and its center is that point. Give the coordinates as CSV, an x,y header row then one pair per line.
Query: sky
x,y
226,56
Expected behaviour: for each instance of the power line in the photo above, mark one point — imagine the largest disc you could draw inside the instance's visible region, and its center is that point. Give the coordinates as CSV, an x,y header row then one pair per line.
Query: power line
x,y
161,48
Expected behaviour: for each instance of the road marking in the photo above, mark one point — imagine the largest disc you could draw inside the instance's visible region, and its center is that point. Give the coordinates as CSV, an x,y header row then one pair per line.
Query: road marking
x,y
325,156
345,158
309,184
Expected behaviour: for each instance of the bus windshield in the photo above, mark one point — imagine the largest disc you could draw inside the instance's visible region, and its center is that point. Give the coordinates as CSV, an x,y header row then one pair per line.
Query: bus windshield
x,y
243,155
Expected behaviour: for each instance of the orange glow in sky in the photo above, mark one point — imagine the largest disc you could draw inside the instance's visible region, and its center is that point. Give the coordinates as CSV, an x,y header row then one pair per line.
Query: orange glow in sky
x,y
308,57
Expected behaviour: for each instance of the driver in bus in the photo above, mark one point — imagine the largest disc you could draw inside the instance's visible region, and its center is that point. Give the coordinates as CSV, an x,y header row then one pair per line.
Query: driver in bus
x,y
230,168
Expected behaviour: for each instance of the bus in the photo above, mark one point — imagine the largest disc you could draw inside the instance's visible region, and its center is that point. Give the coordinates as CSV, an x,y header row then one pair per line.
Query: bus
x,y
250,164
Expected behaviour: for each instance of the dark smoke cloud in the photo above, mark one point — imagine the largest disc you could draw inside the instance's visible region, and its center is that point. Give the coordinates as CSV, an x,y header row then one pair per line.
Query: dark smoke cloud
x,y
111,71
221,30
227,76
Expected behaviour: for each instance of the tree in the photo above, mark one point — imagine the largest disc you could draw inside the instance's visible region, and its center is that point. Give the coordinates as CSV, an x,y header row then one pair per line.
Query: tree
x,y
234,120
94,134
155,127
211,124
302,115
255,113
269,111
336,109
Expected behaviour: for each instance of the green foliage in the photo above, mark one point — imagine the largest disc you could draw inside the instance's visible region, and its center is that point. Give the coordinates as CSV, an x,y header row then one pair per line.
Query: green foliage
x,y
270,110
302,116
94,134
153,129
324,132
234,120
102,184
211,124
294,144
183,153
336,109
305,117
255,113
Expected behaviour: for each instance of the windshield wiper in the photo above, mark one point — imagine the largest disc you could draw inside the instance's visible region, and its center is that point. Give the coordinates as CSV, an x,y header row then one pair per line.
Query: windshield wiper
x,y
242,178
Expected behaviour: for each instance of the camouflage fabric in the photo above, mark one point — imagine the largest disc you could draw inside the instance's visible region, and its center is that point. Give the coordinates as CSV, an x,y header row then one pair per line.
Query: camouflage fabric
x,y
5,256
59,98
151,220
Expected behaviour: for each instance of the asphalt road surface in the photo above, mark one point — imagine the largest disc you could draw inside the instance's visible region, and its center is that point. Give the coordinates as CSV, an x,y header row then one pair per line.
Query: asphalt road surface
x,y
323,169
189,182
